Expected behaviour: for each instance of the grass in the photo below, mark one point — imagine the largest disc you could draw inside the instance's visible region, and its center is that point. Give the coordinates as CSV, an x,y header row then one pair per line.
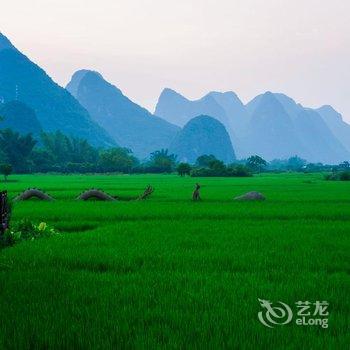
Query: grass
x,y
170,273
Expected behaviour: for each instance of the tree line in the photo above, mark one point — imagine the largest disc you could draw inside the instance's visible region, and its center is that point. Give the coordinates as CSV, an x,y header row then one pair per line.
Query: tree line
x,y
56,152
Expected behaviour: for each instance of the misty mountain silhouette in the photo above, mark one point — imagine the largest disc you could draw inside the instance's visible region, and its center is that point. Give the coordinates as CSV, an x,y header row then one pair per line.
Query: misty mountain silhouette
x,y
20,118
203,135
178,110
290,129
55,108
272,125
225,107
336,124
271,133
5,43
129,124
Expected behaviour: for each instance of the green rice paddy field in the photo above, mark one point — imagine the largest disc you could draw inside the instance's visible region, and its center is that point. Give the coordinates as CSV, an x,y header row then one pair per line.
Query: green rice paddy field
x,y
171,273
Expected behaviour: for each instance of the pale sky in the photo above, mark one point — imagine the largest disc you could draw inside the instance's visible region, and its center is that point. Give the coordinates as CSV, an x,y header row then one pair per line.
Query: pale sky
x,y
298,47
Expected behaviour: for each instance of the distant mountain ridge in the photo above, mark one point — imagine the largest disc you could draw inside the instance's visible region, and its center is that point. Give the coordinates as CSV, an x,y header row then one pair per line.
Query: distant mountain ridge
x,y
336,124
226,107
272,125
203,135
19,117
270,132
234,108
5,43
129,124
307,135
179,110
55,108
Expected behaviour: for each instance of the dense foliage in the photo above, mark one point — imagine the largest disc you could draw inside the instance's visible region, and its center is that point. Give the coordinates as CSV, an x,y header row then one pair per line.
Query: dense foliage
x,y
16,149
256,163
218,168
6,170
59,153
338,176
25,230
56,152
184,169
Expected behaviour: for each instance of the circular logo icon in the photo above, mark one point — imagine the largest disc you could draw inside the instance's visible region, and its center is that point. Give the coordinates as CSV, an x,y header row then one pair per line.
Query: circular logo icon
x,y
274,315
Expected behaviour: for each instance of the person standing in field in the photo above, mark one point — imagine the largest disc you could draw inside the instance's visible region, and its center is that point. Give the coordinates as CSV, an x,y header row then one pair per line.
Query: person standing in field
x,y
4,212
196,193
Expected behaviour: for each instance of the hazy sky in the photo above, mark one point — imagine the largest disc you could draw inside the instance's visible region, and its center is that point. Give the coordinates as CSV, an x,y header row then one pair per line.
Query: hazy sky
x,y
299,47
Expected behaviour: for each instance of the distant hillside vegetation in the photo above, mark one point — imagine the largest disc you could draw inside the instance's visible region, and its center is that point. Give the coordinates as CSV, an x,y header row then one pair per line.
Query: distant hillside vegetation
x,y
19,117
203,135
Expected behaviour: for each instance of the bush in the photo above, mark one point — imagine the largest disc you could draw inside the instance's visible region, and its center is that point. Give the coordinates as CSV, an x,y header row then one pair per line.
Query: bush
x,y
81,168
338,176
26,230
202,172
239,171
9,238
222,171
184,169
6,170
344,176
204,160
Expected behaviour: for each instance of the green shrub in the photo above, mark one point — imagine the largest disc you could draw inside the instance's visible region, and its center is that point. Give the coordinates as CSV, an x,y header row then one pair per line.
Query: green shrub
x,y
239,171
183,169
344,176
26,230
9,238
220,170
6,170
202,172
330,177
338,176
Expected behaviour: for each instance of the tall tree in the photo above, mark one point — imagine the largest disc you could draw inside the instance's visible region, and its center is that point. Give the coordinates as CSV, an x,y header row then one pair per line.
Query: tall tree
x,y
205,160
256,163
6,170
117,159
295,163
63,149
17,149
184,169
163,161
